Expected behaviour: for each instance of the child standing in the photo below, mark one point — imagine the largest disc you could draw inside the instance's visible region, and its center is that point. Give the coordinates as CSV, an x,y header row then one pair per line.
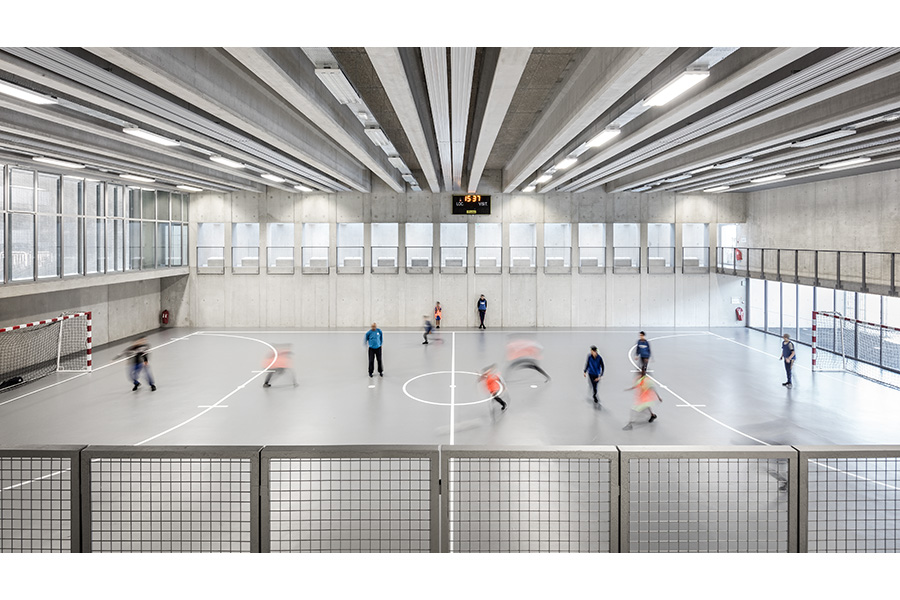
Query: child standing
x,y
437,315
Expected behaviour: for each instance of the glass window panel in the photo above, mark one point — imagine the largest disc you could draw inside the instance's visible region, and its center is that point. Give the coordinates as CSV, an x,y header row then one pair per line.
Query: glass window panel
x,y
134,203
94,243
488,235
385,234
804,312
315,235
757,304
592,235
773,300
162,205
824,299
175,245
148,205
626,235
522,235
281,235
21,191
245,235
727,235
185,259
211,234
133,246
72,196
177,200
557,235
2,244
870,308
48,193
789,309
117,235
695,235
419,234
891,312
348,235
21,241
48,246
148,243
93,199
162,244
660,235
72,246
454,235
116,200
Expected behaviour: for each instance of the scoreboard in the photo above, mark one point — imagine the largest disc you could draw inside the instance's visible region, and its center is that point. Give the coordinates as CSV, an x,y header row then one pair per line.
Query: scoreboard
x,y
471,204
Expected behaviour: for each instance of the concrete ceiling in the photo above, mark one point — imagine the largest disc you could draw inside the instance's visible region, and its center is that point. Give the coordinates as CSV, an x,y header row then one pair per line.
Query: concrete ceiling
x,y
438,119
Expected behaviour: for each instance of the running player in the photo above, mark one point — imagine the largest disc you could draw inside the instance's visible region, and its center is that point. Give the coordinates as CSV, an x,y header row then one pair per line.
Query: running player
x,y
593,370
491,379
283,356
140,362
645,398
524,354
427,328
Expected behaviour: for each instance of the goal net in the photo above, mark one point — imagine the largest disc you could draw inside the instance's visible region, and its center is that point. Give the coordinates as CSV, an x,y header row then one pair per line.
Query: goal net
x,y
33,350
870,350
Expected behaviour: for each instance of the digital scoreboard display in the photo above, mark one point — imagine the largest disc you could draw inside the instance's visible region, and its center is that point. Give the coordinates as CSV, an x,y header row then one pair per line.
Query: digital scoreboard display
x,y
472,204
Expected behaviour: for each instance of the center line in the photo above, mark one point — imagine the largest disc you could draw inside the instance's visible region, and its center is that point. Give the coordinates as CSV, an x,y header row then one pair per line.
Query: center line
x,y
452,383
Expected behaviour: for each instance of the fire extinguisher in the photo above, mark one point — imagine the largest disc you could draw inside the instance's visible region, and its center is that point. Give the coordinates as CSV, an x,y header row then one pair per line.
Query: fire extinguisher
x,y
738,255
164,317
739,313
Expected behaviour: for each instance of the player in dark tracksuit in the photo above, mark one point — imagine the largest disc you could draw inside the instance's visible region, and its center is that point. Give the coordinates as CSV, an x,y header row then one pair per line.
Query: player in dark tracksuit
x,y
593,370
787,355
139,362
482,308
643,352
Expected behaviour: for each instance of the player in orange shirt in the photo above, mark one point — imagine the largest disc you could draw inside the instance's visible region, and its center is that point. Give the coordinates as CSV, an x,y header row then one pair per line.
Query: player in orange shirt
x,y
645,398
437,315
283,362
491,378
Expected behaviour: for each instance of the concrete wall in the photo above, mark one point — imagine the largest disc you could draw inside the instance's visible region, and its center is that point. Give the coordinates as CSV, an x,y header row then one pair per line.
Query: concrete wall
x,y
399,300
861,212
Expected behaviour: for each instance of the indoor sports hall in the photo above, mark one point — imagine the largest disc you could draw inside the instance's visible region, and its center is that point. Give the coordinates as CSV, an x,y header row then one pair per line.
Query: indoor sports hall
x,y
344,299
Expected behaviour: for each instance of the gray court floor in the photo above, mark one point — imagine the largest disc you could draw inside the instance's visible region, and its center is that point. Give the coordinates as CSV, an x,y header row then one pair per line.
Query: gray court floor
x,y
720,387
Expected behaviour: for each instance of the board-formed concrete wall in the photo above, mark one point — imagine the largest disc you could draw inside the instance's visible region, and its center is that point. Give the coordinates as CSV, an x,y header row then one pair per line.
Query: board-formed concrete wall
x,y
342,300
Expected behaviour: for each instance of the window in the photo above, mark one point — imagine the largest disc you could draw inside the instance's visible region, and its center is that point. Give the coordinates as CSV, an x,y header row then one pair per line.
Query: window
x,y
72,225
419,246
626,248
385,247
94,238
316,240
805,295
22,224
280,249
756,304
591,247
48,226
115,228
660,247
454,247
789,309
727,241
558,246
350,247
211,248
694,247
522,246
773,306
245,248
488,247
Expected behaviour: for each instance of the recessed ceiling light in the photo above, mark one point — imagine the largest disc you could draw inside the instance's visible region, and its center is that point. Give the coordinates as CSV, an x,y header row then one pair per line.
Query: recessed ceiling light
x,y
733,163
140,178
274,178
566,163
678,86
604,136
27,95
189,188
681,177
846,163
643,188
718,188
529,189
226,161
302,188
152,137
834,135
57,162
543,179
768,178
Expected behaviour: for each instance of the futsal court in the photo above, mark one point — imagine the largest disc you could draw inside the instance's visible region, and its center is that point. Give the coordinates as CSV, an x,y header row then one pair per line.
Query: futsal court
x,y
719,387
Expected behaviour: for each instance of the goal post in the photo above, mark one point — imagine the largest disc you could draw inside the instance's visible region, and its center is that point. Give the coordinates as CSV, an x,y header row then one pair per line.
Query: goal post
x,y
870,350
33,350
829,352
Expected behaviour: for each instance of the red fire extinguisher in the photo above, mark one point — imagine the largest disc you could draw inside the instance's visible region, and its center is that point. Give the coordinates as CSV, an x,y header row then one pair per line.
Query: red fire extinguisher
x,y
164,317
738,255
739,313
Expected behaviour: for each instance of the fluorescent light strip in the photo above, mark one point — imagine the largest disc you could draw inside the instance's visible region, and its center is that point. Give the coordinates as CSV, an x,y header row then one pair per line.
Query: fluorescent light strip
x,y
303,188
678,86
137,178
677,178
566,163
702,169
189,188
834,135
543,179
57,162
274,178
643,188
733,163
377,135
27,95
529,189
226,161
768,178
718,188
846,163
339,86
604,136
152,137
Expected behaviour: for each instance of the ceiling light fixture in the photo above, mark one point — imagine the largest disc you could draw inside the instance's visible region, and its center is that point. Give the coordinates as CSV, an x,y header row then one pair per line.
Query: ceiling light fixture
x,y
151,137
702,169
718,188
676,87
529,189
819,139
677,178
302,188
274,178
140,178
643,188
408,178
543,178
604,136
57,162
27,95
338,84
377,135
892,117
733,163
226,161
566,163
189,188
768,178
846,163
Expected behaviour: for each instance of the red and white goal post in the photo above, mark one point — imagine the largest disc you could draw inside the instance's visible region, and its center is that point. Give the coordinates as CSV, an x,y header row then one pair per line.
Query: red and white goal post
x,y
32,350
840,343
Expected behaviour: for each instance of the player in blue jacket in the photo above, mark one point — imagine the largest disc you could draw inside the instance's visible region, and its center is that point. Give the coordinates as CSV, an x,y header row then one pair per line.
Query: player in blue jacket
x,y
374,339
593,370
643,352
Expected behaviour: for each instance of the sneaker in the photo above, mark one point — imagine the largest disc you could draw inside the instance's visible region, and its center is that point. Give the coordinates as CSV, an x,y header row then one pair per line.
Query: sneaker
x,y
381,374
790,385
136,386
267,384
152,388
628,427
596,400
370,374
652,418
785,383
424,342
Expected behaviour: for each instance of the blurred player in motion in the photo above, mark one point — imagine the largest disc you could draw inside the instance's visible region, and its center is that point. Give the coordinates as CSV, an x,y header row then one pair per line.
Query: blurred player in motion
x,y
645,398
428,328
140,362
490,376
523,353
283,359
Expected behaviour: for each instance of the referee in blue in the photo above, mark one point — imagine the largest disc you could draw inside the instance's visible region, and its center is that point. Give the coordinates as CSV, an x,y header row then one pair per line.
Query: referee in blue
x,y
374,340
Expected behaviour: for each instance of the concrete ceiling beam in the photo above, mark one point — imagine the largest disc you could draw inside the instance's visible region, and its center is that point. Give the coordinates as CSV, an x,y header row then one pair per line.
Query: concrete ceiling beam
x,y
434,62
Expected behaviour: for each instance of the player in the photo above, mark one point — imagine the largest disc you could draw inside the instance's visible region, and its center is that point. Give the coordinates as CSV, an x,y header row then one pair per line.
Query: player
x,y
643,352
491,379
283,362
373,341
437,315
645,398
787,355
481,307
524,354
140,362
593,370
427,328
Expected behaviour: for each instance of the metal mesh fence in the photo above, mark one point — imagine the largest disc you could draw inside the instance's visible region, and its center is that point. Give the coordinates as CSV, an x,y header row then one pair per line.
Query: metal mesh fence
x,y
35,504
529,504
852,504
707,504
162,504
352,504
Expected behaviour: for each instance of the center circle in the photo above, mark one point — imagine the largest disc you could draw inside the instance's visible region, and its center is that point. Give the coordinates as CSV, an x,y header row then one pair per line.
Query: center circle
x,y
405,391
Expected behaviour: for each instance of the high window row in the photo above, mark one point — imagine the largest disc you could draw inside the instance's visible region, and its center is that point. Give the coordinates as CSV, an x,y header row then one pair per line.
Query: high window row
x,y
59,226
385,253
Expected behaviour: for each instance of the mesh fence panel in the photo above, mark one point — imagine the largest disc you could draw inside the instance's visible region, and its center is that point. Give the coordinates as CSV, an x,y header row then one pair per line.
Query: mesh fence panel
x,y
853,504
30,353
170,504
35,504
529,504
350,504
708,505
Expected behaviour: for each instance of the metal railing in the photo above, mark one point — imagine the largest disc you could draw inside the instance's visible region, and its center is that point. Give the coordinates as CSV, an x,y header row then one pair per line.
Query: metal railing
x,y
557,259
350,259
695,259
385,259
418,259
280,260
245,260
454,259
522,259
661,259
314,260
592,259
867,272
450,499
488,259
626,259
211,260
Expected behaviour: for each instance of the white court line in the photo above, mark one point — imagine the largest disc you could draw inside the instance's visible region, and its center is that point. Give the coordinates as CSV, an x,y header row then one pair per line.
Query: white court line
x,y
115,362
213,406
30,481
452,385
230,394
